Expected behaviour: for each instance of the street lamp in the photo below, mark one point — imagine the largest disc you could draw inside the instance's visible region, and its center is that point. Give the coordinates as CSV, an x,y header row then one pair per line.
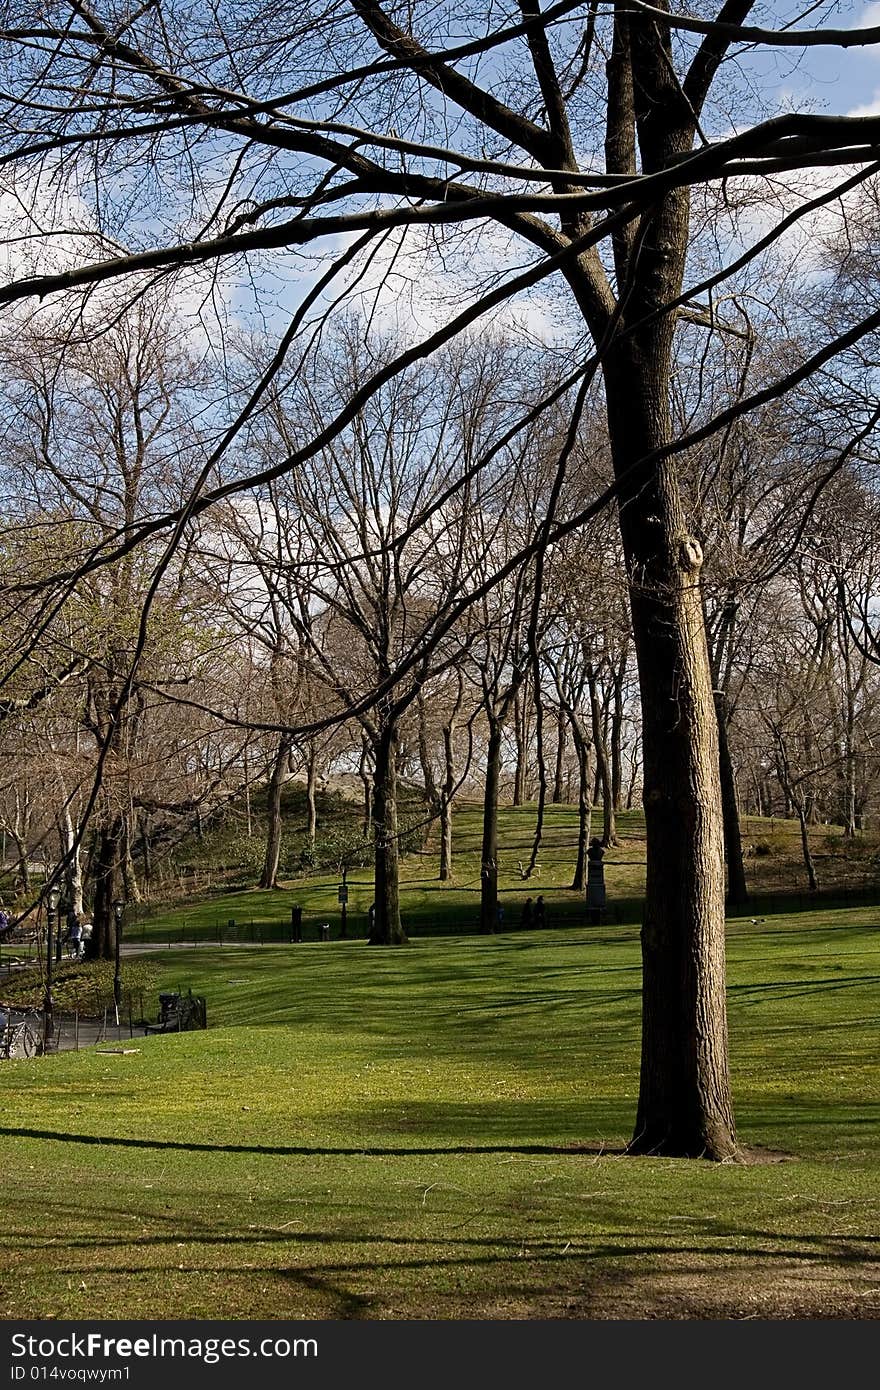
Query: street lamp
x,y
53,898
118,907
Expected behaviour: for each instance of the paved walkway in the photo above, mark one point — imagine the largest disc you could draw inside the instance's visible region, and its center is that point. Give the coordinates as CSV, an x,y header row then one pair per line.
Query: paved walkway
x,y
69,1034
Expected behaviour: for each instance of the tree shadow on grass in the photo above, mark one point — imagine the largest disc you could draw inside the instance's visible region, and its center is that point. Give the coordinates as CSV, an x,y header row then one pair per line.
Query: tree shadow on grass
x,y
313,1150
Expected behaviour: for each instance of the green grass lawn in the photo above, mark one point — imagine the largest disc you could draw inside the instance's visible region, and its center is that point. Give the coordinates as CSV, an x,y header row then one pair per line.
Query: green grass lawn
x,y
437,1131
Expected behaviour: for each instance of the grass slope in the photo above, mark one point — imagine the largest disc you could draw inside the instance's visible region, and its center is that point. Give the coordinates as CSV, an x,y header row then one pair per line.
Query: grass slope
x,y
437,1132
776,877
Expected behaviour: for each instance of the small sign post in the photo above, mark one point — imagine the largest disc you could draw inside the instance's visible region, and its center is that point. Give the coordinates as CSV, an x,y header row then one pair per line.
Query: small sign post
x,y
343,900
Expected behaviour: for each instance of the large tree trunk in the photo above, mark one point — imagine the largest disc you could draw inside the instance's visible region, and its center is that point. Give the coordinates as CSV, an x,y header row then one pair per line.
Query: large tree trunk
x,y
106,870
684,1103
489,851
271,860
387,929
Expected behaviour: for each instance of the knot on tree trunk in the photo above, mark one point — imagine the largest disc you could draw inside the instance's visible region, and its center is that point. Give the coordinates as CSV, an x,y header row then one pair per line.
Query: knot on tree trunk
x,y
690,554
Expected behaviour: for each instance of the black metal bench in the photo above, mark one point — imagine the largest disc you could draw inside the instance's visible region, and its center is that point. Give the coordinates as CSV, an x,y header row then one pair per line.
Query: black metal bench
x,y
179,1013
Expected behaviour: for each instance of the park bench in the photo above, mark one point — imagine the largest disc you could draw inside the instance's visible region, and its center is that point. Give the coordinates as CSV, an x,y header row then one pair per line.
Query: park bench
x,y
179,1013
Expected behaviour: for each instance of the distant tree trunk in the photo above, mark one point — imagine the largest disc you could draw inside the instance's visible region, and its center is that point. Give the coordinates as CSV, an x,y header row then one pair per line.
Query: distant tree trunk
x,y
272,858
542,771
367,783
633,775
23,858
559,774
146,853
520,773
616,739
247,794
489,851
432,795
585,807
805,846
609,820
72,856
850,795
311,799
387,929
129,875
446,795
737,888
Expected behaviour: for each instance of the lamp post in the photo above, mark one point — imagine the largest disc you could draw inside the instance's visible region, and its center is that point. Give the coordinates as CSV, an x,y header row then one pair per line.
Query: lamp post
x,y
53,898
343,900
118,907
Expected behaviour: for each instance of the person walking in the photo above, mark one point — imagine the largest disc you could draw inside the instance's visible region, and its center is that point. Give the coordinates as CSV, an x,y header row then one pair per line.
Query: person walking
x,y
528,917
539,911
74,934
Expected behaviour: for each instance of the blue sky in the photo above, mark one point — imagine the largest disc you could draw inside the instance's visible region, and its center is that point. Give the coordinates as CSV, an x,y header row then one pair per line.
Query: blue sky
x,y
842,81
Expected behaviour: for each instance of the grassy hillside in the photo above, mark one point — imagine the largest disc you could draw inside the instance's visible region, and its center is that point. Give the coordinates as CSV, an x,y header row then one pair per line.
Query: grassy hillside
x,y
212,896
